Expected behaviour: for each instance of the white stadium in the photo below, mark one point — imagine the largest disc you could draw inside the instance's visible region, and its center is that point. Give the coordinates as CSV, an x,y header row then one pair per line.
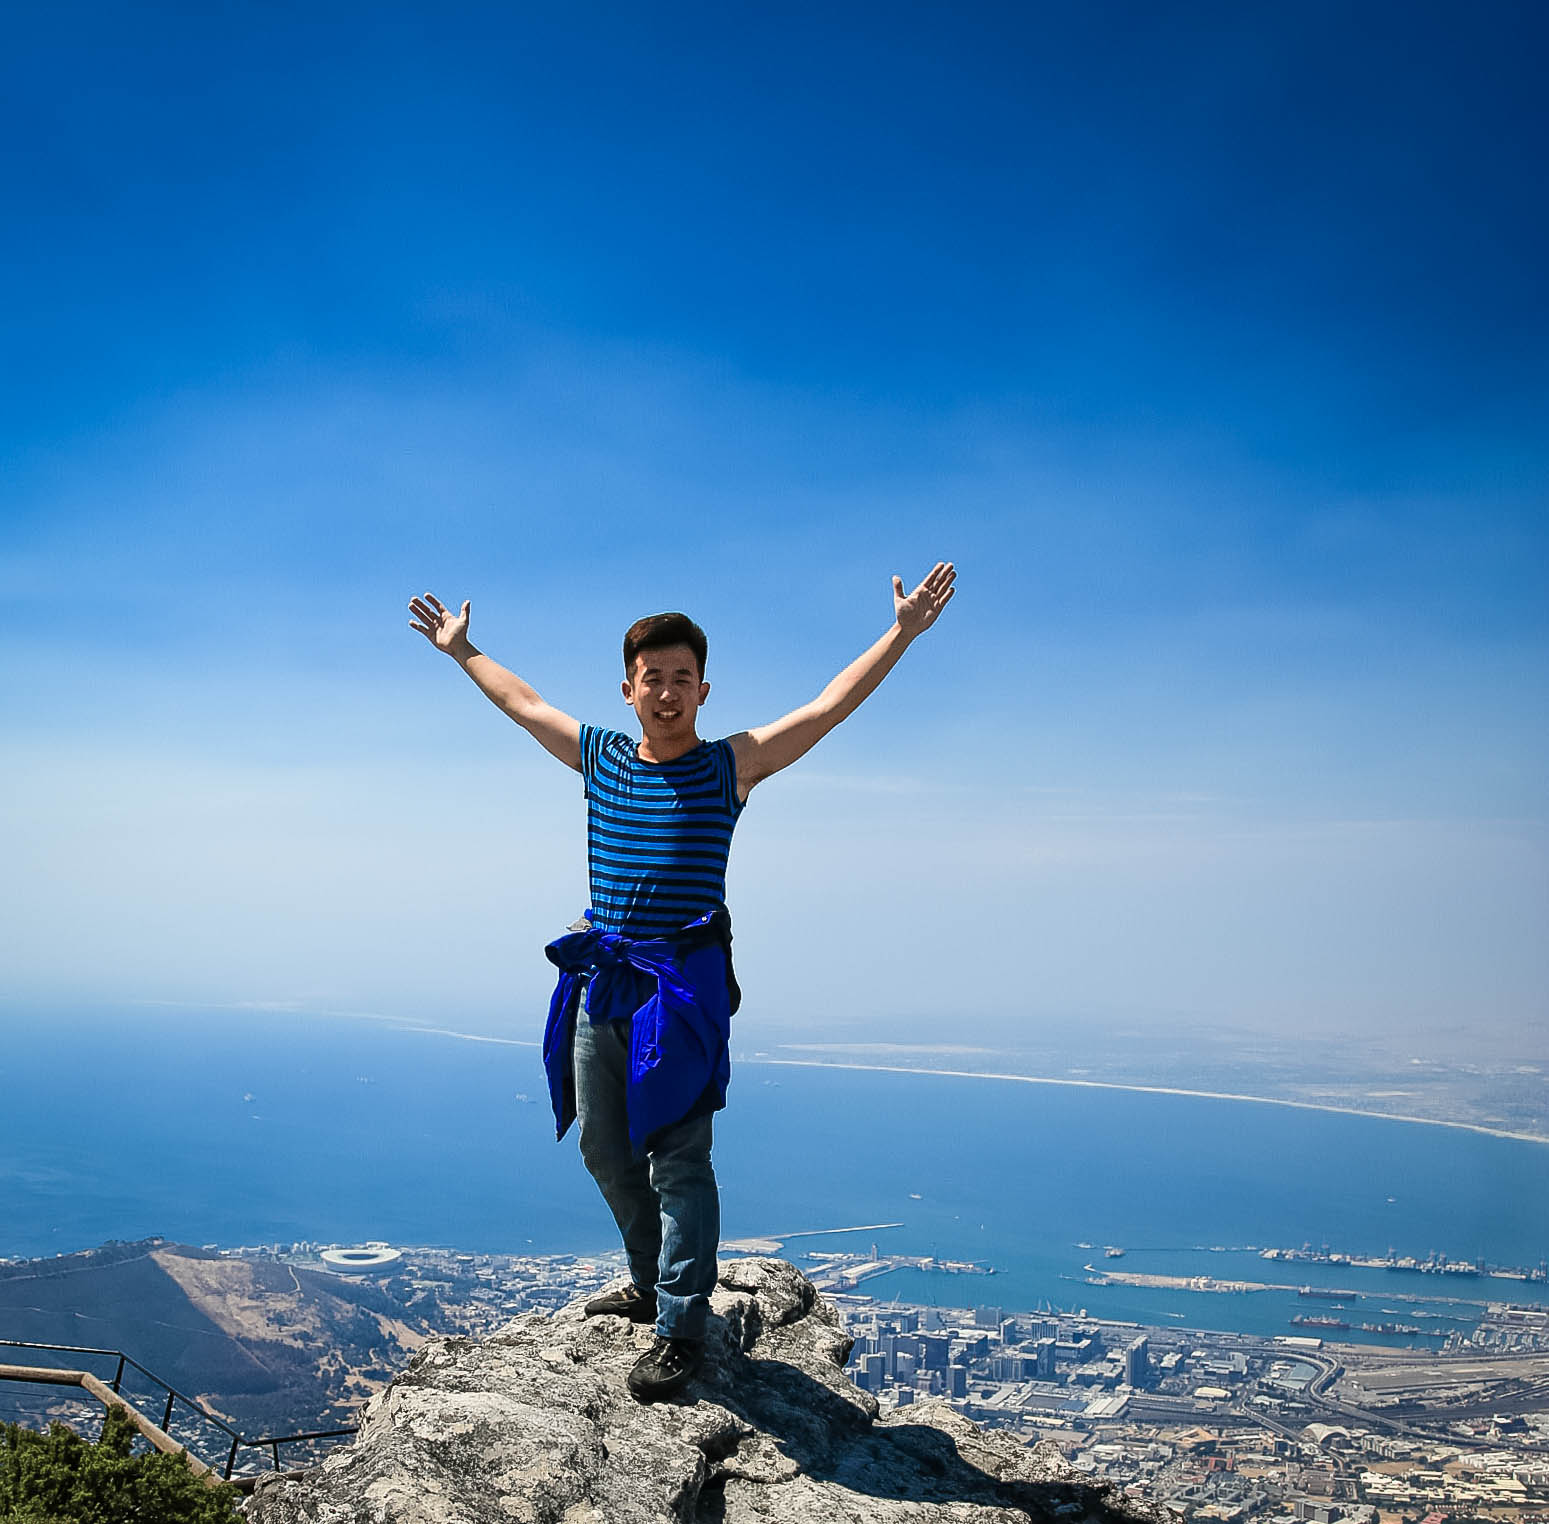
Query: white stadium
x,y
364,1260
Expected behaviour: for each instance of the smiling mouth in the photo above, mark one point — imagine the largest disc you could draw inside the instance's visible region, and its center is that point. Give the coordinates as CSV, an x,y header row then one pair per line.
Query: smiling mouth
x,y
668,714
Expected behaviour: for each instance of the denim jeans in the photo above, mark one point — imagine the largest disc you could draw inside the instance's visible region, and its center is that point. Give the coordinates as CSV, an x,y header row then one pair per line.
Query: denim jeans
x,y
666,1204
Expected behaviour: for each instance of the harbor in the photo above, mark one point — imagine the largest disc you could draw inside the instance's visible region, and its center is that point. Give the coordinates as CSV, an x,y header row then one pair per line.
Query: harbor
x,y
1207,1283
1434,1263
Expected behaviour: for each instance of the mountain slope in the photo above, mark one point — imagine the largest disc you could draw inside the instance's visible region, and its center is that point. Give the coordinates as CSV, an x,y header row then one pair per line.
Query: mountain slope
x,y
268,1347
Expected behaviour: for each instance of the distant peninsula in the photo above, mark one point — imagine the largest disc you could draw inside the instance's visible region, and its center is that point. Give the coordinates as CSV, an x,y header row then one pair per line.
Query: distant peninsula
x,y
1423,1081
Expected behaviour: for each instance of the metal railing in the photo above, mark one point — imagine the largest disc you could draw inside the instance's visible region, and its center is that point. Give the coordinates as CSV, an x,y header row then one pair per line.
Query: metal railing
x,y
109,1393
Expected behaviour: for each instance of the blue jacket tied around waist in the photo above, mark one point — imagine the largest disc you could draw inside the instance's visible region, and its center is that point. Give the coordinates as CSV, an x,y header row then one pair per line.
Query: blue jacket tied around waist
x,y
680,992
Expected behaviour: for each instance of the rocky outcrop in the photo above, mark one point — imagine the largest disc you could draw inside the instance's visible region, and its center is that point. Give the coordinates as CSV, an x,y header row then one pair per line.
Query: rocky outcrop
x,y
535,1426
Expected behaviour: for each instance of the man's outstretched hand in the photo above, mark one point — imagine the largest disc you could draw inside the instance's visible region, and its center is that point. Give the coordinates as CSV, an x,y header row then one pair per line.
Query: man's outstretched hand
x,y
445,631
553,729
918,611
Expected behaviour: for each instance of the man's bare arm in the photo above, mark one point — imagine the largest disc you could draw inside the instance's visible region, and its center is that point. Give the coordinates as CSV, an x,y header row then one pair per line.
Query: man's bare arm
x,y
766,749
552,728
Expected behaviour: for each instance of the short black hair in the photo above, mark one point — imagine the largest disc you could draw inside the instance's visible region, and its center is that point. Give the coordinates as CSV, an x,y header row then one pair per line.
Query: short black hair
x,y
657,630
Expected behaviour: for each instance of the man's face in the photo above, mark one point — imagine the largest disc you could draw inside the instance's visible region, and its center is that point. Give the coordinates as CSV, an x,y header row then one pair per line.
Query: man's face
x,y
665,691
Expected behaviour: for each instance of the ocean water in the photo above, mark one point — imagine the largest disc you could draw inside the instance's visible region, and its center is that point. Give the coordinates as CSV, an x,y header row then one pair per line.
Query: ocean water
x,y
239,1129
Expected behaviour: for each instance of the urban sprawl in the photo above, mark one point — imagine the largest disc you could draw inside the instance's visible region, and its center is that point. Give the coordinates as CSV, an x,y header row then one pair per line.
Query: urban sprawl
x,y
1220,1426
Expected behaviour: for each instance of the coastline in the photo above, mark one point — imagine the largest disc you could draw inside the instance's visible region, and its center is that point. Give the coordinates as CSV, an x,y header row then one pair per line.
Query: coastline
x,y
1208,1095
409,1024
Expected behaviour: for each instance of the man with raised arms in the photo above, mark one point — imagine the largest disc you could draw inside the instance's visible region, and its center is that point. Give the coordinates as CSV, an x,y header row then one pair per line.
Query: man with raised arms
x,y
636,1042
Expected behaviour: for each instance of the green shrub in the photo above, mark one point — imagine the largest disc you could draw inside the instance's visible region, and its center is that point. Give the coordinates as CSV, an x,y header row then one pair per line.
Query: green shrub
x,y
60,1478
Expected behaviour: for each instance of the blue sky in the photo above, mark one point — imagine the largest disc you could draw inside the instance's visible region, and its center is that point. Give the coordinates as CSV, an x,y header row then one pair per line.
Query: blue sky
x,y
1211,345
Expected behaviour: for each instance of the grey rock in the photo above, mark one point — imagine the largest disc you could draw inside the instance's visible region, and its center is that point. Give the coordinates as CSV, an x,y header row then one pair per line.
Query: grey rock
x,y
535,1426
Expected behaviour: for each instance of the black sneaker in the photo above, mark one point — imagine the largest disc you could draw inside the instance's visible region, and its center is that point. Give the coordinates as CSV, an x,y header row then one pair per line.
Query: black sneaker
x,y
666,1367
627,1302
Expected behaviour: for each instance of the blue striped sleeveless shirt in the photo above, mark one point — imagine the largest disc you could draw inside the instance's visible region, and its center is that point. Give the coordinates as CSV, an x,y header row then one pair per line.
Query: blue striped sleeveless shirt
x,y
657,833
